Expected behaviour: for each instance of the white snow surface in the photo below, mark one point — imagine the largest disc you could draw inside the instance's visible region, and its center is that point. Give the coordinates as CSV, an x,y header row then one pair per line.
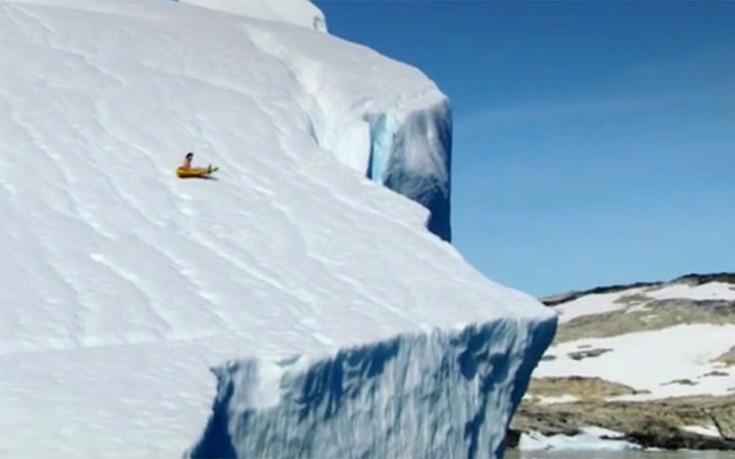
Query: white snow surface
x,y
708,430
393,126
602,303
298,12
591,439
593,304
566,398
658,356
651,360
122,285
708,291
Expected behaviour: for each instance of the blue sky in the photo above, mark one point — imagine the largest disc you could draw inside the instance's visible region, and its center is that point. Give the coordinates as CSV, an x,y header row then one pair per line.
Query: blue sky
x,y
594,141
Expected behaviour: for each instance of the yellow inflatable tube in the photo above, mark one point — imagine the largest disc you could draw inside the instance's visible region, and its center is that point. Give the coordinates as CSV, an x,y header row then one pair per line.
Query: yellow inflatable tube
x,y
187,173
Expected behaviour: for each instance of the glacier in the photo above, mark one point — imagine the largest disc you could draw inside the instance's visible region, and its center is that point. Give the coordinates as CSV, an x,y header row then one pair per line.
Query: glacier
x,y
317,296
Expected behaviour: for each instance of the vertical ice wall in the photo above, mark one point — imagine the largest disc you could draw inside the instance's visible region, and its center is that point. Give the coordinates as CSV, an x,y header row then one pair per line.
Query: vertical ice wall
x,y
440,394
411,154
395,130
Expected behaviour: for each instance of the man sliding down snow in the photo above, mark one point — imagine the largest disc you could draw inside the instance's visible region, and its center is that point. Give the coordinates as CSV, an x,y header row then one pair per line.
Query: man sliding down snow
x,y
187,171
187,165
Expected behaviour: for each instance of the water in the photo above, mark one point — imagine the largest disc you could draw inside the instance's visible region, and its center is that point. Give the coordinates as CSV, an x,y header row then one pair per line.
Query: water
x,y
620,455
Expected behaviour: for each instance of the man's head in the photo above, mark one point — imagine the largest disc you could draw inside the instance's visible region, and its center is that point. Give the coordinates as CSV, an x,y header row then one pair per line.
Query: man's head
x,y
189,156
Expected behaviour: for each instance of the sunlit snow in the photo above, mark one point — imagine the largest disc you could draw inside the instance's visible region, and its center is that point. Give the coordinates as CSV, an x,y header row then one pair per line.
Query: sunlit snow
x,y
590,439
122,285
708,291
599,303
659,357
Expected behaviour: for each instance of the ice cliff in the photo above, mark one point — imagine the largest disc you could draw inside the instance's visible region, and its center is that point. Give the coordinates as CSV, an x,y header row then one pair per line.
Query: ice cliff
x,y
434,394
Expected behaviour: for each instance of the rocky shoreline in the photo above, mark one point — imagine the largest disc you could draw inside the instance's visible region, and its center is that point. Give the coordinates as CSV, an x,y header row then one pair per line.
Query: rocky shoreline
x,y
648,416
650,424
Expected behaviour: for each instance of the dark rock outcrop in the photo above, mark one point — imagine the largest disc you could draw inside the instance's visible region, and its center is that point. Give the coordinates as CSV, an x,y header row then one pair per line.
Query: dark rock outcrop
x,y
690,279
724,419
660,423
656,423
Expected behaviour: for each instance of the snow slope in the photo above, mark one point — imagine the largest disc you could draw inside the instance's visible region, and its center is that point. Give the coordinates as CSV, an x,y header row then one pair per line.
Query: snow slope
x,y
396,129
122,285
297,12
680,359
593,304
708,291
656,358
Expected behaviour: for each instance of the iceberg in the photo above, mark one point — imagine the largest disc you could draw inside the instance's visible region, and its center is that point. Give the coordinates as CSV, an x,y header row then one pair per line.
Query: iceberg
x,y
318,297
437,394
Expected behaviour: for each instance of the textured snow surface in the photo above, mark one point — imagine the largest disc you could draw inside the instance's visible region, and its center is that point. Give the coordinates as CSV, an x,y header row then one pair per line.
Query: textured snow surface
x,y
122,285
659,357
667,368
298,12
602,303
396,127
382,118
708,291
592,304
591,439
